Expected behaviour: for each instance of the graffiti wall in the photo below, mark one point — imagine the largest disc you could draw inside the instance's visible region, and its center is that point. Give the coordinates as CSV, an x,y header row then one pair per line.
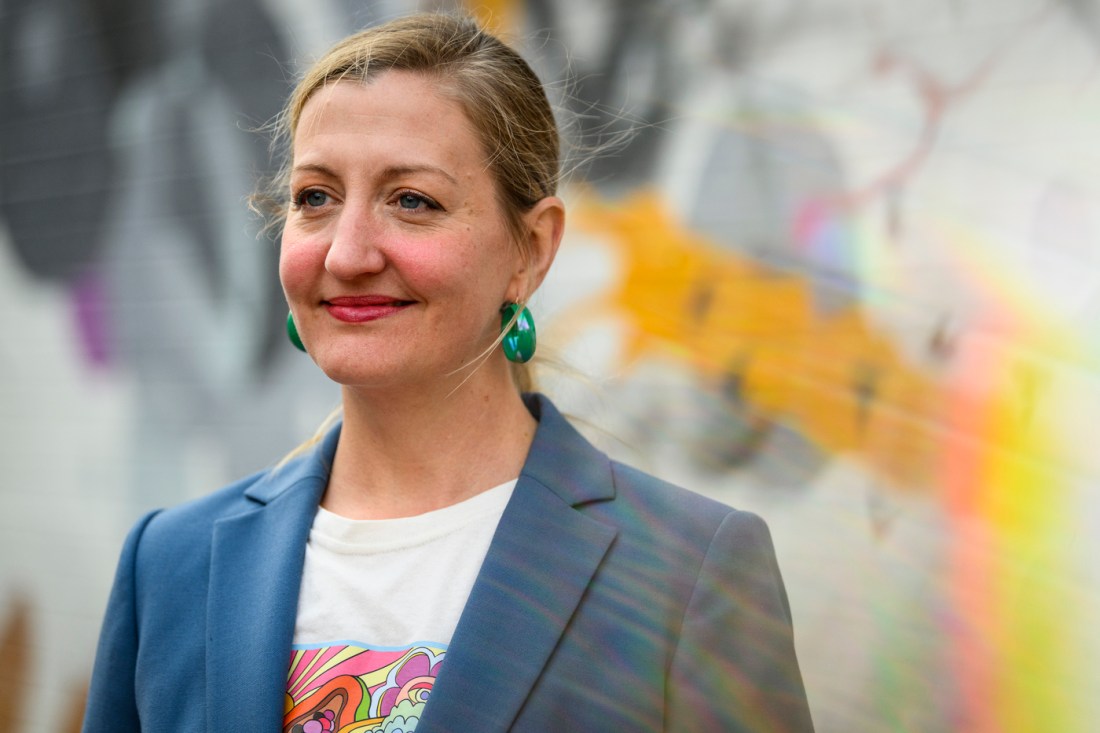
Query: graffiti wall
x,y
833,261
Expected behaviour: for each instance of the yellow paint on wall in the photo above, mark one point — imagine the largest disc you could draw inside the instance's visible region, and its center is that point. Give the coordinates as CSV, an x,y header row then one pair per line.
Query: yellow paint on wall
x,y
497,16
832,376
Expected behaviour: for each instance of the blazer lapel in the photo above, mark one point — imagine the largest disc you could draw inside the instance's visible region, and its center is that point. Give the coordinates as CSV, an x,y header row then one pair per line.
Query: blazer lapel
x,y
256,572
539,564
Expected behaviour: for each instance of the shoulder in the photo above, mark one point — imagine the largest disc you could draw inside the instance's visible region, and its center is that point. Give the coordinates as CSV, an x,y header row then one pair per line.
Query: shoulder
x,y
635,486
639,505
184,521
670,509
678,537
304,477
179,537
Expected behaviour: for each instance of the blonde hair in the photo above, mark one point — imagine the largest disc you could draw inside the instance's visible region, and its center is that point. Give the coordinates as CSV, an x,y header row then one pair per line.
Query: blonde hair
x,y
499,93
501,96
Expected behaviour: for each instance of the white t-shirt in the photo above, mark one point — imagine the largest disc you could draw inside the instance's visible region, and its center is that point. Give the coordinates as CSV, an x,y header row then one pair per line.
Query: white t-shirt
x,y
379,602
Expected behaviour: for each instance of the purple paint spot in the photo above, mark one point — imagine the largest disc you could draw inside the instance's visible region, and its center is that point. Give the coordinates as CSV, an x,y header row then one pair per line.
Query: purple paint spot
x,y
88,297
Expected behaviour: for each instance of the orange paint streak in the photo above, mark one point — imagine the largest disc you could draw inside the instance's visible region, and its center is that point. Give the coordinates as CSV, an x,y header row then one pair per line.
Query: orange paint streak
x,y
842,383
499,17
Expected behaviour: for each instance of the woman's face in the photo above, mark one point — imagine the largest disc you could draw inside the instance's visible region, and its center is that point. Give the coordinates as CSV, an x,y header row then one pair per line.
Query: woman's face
x,y
395,256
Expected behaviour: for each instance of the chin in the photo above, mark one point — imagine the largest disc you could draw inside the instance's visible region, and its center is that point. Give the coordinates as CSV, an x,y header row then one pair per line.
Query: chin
x,y
357,376
356,368
393,367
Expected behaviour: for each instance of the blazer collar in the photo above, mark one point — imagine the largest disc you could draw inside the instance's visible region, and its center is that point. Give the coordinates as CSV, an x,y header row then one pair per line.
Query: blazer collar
x,y
539,564
541,561
564,462
311,466
255,574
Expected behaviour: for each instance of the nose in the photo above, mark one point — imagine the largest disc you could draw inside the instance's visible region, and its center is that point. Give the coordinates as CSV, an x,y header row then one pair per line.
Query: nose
x,y
354,250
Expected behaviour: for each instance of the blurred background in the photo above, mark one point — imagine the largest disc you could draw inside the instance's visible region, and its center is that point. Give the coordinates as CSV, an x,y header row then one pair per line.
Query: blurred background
x,y
833,261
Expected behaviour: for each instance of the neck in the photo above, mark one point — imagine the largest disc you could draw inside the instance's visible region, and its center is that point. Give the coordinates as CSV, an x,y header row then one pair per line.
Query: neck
x,y
402,454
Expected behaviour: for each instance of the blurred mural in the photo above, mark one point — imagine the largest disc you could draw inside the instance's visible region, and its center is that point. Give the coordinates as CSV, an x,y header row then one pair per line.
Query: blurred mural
x,y
833,261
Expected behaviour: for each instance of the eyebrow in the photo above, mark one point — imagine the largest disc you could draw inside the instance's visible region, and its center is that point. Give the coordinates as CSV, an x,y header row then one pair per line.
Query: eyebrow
x,y
404,170
388,173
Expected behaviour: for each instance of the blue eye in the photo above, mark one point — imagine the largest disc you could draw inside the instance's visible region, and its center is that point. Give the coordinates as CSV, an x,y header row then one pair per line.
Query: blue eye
x,y
415,202
312,198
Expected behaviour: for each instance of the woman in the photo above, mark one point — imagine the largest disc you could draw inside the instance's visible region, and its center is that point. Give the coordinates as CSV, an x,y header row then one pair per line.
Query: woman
x,y
453,556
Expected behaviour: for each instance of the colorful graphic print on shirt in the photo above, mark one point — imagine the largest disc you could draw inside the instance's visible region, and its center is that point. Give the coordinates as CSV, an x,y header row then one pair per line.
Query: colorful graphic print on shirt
x,y
348,687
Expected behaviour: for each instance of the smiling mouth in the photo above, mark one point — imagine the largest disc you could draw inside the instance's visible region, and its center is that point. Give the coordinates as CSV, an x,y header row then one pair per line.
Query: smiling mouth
x,y
364,308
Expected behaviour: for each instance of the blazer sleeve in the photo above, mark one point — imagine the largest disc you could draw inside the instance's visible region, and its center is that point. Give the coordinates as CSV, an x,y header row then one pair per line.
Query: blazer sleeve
x,y
734,668
112,702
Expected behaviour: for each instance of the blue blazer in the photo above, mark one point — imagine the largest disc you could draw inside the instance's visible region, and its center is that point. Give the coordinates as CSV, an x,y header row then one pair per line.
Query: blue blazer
x,y
608,601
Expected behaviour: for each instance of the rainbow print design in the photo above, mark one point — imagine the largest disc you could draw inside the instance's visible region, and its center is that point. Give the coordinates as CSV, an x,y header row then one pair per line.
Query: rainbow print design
x,y
349,687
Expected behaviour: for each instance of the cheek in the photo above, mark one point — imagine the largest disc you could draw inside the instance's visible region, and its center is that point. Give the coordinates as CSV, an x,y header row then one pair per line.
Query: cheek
x,y
427,269
298,266
462,277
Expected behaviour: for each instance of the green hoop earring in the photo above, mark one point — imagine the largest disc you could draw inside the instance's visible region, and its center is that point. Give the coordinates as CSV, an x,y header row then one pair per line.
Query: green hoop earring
x,y
292,333
519,340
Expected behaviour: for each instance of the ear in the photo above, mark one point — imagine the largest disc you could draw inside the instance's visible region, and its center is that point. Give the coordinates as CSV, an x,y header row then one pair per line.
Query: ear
x,y
545,225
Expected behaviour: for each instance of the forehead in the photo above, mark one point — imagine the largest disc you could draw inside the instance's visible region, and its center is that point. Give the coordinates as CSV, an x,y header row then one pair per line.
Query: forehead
x,y
414,112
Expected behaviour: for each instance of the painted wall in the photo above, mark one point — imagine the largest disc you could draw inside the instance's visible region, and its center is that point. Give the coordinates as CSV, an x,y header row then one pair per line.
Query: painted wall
x,y
834,261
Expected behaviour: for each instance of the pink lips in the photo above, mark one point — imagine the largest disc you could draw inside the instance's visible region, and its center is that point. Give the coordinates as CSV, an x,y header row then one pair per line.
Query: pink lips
x,y
363,308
